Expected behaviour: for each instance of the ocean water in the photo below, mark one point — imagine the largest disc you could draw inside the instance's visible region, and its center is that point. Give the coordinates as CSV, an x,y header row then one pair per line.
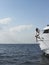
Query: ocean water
x,y
22,54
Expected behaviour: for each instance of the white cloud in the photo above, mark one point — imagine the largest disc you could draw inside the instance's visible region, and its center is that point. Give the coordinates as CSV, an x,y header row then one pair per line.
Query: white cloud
x,y
5,20
15,35
21,28
23,37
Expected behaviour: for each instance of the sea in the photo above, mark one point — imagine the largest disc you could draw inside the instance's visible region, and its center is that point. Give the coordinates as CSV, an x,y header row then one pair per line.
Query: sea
x,y
22,54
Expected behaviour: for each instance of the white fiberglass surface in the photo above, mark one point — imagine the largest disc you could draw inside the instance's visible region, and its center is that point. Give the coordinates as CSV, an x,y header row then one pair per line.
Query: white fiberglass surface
x,y
45,43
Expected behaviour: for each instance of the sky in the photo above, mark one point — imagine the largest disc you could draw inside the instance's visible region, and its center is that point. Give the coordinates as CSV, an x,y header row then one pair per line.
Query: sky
x,y
19,18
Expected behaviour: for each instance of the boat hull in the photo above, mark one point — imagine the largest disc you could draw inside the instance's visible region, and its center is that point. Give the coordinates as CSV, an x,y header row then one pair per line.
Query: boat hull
x,y
44,44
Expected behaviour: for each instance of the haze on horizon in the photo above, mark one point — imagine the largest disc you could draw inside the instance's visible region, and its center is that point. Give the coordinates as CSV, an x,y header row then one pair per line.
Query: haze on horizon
x,y
19,18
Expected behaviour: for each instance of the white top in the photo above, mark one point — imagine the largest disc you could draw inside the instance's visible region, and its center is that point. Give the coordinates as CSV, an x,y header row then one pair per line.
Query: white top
x,y
47,27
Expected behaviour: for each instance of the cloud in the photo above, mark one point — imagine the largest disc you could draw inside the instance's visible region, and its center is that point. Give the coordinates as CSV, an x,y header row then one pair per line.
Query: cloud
x,y
15,35
21,28
5,20
8,37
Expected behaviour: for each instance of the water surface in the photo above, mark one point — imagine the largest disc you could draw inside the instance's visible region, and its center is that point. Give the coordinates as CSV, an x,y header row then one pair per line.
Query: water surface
x,y
22,54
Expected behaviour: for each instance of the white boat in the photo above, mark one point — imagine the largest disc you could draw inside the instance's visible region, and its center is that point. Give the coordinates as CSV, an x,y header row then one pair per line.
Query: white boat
x,y
43,39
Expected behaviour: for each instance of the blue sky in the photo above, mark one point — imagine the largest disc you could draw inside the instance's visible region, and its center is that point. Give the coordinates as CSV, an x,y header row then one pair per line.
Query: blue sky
x,y
23,13
26,11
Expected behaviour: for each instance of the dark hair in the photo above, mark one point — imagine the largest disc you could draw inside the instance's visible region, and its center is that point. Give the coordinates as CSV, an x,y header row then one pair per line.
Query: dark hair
x,y
37,30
